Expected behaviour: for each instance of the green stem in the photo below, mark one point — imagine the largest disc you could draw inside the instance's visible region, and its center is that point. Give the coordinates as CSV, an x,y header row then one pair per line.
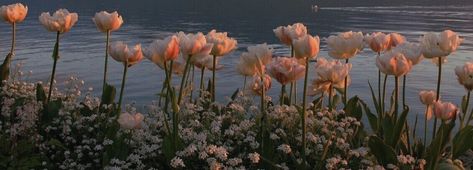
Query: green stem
x,y
202,81
192,81
425,125
404,90
105,68
291,88
384,94
439,79
345,97
213,77
263,114
330,97
244,85
281,99
181,89
125,69
166,124
396,96
55,58
13,38
304,98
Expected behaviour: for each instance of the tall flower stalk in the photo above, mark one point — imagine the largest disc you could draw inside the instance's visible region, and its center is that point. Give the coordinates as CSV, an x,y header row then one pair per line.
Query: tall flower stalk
x,y
125,70
55,58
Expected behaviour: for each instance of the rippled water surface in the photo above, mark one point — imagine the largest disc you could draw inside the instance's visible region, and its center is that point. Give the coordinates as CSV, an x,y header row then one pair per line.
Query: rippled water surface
x,y
82,49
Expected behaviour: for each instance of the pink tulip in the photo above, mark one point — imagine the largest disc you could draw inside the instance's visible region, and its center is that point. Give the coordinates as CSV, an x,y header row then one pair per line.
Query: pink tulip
x,y
161,51
121,53
285,69
194,44
441,44
255,86
345,45
13,13
61,21
222,44
465,75
129,121
107,21
445,110
378,41
393,63
290,33
306,47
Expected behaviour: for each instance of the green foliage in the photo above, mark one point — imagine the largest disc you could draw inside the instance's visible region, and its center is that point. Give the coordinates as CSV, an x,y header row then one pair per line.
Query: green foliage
x,y
435,149
384,153
108,95
5,68
462,141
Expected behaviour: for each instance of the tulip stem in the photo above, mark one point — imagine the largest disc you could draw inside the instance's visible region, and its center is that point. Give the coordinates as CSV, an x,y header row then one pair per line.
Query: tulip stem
x,y
213,77
55,58
384,94
13,38
166,83
202,81
263,114
192,82
404,91
125,69
304,98
244,86
330,97
464,114
379,87
396,95
345,97
291,91
105,68
425,124
439,79
181,89
281,99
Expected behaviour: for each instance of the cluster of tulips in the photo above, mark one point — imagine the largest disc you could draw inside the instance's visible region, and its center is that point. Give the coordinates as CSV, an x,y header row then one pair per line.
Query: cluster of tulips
x,y
181,53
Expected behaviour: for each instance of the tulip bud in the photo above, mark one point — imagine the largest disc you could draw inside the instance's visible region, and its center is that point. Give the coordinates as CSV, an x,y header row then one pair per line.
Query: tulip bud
x,y
13,13
465,75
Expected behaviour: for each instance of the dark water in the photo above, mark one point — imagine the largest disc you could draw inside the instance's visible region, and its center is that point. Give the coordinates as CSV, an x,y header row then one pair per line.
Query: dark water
x,y
250,23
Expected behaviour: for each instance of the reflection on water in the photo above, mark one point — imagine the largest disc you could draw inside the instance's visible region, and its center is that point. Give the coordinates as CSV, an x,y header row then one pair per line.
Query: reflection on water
x,y
82,49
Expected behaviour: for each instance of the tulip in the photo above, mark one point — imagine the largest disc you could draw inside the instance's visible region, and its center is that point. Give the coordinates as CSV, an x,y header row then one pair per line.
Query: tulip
x,y
222,45
192,45
378,41
465,77
393,63
427,98
107,22
254,60
344,46
331,73
259,84
285,70
121,53
306,47
438,47
395,40
129,121
320,86
445,110
290,33
14,13
61,21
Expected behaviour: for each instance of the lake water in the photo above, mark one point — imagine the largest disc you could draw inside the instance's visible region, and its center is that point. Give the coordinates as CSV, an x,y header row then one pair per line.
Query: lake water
x,y
82,48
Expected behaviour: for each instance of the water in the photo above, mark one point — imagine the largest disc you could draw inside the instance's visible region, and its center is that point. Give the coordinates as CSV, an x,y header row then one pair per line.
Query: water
x,y
82,49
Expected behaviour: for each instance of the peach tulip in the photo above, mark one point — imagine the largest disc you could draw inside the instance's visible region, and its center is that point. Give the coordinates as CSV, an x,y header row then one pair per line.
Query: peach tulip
x,y
412,51
107,21
393,63
329,73
287,34
306,47
345,45
465,75
194,44
395,40
161,51
378,41
440,45
222,44
61,21
253,62
255,85
285,70
445,110
13,13
428,98
129,121
206,62
121,53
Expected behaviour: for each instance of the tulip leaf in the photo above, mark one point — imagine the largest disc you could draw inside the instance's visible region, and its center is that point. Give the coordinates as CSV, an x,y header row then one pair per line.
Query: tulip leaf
x,y
336,100
354,108
317,102
462,141
388,128
108,95
5,68
435,149
40,94
372,119
399,128
235,94
464,104
375,101
55,55
384,153
175,105
51,111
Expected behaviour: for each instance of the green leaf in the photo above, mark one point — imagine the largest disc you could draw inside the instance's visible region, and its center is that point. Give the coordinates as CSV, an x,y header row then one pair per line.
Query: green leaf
x,y
108,95
235,94
463,106
435,149
372,119
55,55
388,128
336,100
384,153
40,94
354,108
5,68
175,105
317,102
375,101
56,143
462,141
399,128
52,111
